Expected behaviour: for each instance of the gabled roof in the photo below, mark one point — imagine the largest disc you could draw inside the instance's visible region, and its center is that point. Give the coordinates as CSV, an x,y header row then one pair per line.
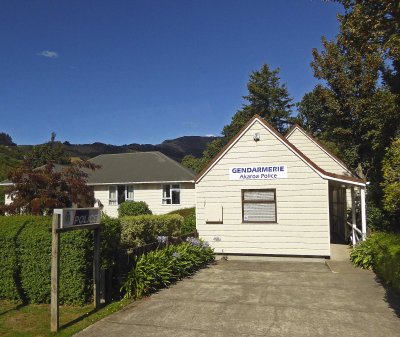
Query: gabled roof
x,y
138,167
324,174
56,168
317,143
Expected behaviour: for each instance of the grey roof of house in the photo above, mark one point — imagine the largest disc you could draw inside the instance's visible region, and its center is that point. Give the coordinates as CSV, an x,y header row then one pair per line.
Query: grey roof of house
x,y
57,168
133,167
138,167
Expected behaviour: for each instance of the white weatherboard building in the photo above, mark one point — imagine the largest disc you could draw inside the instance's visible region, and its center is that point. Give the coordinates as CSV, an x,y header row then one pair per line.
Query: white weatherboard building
x,y
161,182
269,194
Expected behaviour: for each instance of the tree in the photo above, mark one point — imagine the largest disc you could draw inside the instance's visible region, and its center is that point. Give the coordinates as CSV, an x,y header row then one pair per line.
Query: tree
x,y
357,108
391,178
5,139
267,97
38,191
51,151
373,26
313,113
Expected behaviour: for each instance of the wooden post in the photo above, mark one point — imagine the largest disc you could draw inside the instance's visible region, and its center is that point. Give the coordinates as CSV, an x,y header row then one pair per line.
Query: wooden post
x,y
96,268
55,270
363,214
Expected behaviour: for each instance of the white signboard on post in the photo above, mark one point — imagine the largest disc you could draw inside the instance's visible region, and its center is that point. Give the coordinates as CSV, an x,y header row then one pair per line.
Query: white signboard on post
x,y
258,172
78,216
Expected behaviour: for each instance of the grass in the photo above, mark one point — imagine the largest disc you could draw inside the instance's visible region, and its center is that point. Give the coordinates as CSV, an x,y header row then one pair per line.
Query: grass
x,y
34,319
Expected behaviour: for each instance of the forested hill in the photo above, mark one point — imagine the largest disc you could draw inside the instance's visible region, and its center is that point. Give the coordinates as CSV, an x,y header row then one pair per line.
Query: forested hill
x,y
174,148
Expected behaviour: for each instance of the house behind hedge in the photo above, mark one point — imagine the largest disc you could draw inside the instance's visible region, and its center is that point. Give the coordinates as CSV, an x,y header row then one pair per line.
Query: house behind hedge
x,y
161,182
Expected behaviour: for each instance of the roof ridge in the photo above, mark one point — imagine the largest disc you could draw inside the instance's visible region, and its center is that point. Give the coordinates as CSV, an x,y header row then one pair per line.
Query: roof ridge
x,y
284,141
317,142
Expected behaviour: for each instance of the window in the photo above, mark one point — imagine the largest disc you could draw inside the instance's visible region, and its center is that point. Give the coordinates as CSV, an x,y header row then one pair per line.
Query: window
x,y
112,195
259,205
129,192
118,194
171,194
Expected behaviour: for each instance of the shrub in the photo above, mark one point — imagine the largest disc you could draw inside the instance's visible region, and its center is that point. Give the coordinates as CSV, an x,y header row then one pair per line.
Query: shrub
x,y
133,208
139,230
377,218
159,268
381,252
25,264
189,223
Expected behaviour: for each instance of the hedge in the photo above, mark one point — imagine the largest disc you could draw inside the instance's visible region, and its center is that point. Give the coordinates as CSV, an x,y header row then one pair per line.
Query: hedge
x,y
142,229
189,222
25,264
133,208
381,252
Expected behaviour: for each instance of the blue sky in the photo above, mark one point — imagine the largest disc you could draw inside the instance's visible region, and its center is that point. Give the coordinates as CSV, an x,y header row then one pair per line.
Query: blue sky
x,y
123,72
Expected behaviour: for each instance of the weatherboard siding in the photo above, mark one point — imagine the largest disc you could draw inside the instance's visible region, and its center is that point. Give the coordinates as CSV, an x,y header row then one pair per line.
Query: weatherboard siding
x,y
315,153
302,226
151,194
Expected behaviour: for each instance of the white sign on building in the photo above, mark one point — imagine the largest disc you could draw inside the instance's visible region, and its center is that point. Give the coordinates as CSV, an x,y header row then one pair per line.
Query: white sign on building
x,y
259,172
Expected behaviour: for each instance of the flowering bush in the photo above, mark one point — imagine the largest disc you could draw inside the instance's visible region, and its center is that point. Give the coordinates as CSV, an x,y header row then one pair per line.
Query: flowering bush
x,y
160,268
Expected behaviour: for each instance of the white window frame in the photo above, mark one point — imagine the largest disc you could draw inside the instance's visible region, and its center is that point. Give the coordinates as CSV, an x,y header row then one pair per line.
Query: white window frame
x,y
127,193
170,196
113,202
115,188
260,201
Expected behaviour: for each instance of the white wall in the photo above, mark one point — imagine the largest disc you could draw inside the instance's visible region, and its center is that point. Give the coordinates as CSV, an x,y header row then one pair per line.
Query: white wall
x,y
151,194
7,199
315,153
302,226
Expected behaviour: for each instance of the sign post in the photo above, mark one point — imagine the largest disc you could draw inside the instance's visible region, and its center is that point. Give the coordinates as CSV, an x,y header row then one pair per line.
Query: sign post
x,y
65,220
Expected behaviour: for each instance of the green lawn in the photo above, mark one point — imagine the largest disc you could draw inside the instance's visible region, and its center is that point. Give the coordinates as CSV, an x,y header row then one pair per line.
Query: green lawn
x,y
34,319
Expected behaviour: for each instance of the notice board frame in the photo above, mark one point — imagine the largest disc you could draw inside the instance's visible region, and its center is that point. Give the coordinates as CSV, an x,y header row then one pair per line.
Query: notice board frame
x,y
56,231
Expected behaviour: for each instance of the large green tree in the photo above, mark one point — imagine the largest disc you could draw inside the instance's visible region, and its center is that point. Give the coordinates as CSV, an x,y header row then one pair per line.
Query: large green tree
x,y
357,106
391,178
266,97
52,151
5,139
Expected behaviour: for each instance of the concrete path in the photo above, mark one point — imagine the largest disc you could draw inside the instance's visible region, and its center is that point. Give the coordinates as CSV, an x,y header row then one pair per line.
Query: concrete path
x,y
243,298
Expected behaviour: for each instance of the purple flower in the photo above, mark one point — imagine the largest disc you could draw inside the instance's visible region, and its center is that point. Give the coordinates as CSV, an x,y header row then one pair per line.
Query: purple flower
x,y
193,241
206,244
162,239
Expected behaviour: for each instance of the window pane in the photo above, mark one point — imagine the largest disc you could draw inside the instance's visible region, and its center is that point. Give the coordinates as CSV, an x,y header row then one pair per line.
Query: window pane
x,y
176,197
259,212
112,193
166,201
121,194
129,192
166,191
259,195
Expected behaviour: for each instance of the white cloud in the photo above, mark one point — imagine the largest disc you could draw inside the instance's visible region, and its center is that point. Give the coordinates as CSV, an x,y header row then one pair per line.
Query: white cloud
x,y
48,53
211,135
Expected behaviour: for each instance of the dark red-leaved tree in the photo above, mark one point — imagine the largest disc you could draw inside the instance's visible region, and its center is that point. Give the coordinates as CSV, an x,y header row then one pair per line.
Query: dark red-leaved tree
x,y
38,191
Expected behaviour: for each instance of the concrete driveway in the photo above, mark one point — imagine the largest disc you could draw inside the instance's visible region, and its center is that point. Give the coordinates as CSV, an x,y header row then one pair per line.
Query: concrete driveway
x,y
243,298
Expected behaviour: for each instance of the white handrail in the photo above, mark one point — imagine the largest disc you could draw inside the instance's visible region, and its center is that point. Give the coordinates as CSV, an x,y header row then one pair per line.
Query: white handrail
x,y
356,234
